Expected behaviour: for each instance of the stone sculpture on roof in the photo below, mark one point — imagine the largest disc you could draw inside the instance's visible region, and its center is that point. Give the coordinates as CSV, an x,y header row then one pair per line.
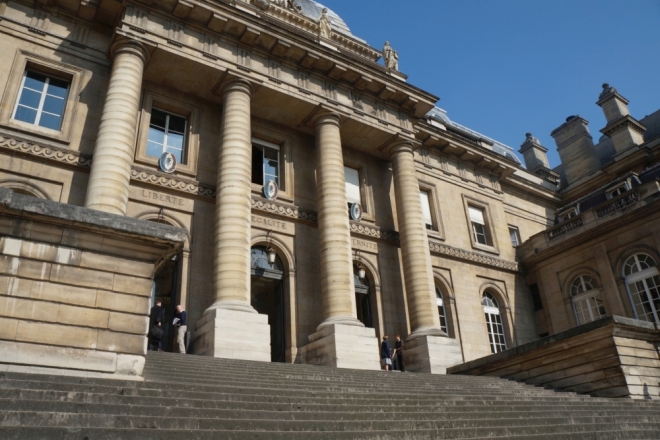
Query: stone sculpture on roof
x,y
288,4
390,56
325,28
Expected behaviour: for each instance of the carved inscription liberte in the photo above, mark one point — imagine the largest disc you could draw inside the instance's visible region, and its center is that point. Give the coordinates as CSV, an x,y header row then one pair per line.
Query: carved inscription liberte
x,y
164,198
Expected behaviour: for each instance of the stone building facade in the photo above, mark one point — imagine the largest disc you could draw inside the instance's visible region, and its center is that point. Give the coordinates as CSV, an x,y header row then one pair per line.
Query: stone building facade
x,y
185,112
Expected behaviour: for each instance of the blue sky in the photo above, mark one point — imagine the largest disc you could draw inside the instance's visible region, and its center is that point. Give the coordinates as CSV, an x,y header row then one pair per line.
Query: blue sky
x,y
504,68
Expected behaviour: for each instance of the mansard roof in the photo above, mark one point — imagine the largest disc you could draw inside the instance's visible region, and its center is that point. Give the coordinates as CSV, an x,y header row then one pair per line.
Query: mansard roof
x,y
312,9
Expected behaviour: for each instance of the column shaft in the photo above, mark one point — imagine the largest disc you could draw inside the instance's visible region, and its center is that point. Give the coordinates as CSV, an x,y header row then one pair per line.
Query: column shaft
x,y
107,189
233,205
337,290
416,256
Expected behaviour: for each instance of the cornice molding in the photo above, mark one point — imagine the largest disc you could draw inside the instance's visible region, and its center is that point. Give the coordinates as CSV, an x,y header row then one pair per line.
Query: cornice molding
x,y
49,152
177,183
374,232
288,211
475,257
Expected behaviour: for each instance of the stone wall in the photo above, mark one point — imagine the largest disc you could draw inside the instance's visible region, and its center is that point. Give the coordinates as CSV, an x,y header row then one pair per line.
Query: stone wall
x,y
611,357
75,286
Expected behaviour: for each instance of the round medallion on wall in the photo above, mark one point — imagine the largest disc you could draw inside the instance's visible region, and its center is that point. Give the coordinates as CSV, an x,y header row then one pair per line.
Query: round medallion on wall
x,y
167,162
356,212
271,190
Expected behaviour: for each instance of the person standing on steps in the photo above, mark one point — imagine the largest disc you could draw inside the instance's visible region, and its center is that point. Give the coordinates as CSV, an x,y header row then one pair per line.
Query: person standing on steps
x,y
398,350
386,354
156,319
181,323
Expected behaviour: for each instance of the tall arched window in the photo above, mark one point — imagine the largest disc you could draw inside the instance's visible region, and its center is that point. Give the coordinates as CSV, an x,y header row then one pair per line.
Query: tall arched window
x,y
494,323
643,284
586,300
441,309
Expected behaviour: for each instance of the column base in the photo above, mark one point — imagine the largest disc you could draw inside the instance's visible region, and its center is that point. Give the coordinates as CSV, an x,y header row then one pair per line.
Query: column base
x,y
342,346
432,354
233,334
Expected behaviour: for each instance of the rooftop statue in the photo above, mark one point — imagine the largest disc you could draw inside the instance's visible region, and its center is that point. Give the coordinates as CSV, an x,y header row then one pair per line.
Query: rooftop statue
x,y
288,4
325,29
390,56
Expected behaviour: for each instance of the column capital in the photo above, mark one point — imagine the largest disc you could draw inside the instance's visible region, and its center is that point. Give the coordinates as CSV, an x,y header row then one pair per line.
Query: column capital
x,y
322,115
237,85
399,144
129,45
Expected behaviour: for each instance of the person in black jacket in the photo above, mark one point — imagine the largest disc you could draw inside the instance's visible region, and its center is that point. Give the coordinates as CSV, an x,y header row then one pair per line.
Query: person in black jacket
x,y
386,354
398,349
156,319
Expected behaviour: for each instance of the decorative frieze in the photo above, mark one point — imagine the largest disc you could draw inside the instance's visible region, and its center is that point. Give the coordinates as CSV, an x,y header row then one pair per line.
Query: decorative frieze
x,y
58,154
189,186
284,210
476,257
372,231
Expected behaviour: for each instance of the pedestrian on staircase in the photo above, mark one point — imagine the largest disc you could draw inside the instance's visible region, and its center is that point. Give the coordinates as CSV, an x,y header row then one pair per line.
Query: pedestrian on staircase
x,y
156,319
386,354
181,324
398,350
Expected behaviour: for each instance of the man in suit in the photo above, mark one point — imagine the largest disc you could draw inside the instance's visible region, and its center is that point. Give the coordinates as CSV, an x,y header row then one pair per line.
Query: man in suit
x,y
156,319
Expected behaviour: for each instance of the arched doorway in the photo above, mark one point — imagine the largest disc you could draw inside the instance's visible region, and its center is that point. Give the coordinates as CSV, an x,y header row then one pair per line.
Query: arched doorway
x,y
362,297
267,297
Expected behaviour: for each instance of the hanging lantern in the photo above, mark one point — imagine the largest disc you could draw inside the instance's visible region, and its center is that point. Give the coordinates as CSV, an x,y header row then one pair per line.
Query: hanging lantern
x,y
361,272
271,256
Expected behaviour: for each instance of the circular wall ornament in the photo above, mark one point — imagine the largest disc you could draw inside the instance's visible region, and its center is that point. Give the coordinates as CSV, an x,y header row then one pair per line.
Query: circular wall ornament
x,y
167,162
271,190
355,212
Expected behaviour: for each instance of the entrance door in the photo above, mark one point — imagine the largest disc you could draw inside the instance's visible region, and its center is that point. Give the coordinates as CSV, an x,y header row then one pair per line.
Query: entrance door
x,y
267,285
165,289
362,299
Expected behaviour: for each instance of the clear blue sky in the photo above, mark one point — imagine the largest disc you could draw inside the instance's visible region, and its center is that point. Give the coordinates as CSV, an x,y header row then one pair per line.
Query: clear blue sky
x,y
504,68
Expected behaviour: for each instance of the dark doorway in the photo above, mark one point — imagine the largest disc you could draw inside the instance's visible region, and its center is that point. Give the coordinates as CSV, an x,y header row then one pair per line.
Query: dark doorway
x,y
267,285
165,288
362,298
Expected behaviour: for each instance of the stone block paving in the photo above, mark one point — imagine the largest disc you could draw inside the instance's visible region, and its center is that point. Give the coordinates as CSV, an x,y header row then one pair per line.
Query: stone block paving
x,y
195,397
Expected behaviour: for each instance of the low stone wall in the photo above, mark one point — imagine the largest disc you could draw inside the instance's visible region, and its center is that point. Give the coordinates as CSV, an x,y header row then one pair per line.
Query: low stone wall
x,y
75,287
611,357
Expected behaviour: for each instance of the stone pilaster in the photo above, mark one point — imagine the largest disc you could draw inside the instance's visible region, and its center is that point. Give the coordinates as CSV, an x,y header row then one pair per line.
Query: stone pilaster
x,y
107,189
421,349
231,327
341,340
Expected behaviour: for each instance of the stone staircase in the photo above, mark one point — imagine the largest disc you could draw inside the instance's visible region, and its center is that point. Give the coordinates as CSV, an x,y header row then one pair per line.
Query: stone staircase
x,y
193,397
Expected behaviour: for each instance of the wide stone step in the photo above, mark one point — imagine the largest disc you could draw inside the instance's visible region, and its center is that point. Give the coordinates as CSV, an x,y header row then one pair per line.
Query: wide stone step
x,y
384,407
340,414
221,429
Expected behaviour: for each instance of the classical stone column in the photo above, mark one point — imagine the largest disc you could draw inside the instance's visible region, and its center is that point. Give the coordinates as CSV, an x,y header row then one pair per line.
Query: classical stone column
x,y
428,349
231,327
417,271
341,340
107,189
335,254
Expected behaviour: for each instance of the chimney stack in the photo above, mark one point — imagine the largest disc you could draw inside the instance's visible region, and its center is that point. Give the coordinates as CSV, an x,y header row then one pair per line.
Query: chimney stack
x,y
624,130
536,159
576,148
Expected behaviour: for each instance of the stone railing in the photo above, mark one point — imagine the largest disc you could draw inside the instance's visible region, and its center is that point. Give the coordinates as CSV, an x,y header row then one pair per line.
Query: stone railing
x,y
617,204
564,228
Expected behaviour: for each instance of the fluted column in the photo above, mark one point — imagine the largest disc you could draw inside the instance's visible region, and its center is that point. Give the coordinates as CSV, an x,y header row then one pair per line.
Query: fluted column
x,y
337,290
231,274
417,271
107,189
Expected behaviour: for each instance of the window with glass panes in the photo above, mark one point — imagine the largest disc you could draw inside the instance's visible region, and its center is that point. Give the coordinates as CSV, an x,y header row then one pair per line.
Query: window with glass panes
x,y
478,225
494,323
586,300
441,309
616,192
643,283
41,100
515,236
167,133
424,198
352,177
265,162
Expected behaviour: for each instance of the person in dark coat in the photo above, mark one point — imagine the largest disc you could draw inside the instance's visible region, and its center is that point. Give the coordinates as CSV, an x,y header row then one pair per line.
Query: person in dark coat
x,y
156,319
398,350
386,354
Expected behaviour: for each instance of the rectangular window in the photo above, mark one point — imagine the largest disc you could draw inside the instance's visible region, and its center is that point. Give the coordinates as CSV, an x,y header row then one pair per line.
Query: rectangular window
x,y
617,190
352,177
515,236
478,225
265,162
167,133
426,209
41,101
